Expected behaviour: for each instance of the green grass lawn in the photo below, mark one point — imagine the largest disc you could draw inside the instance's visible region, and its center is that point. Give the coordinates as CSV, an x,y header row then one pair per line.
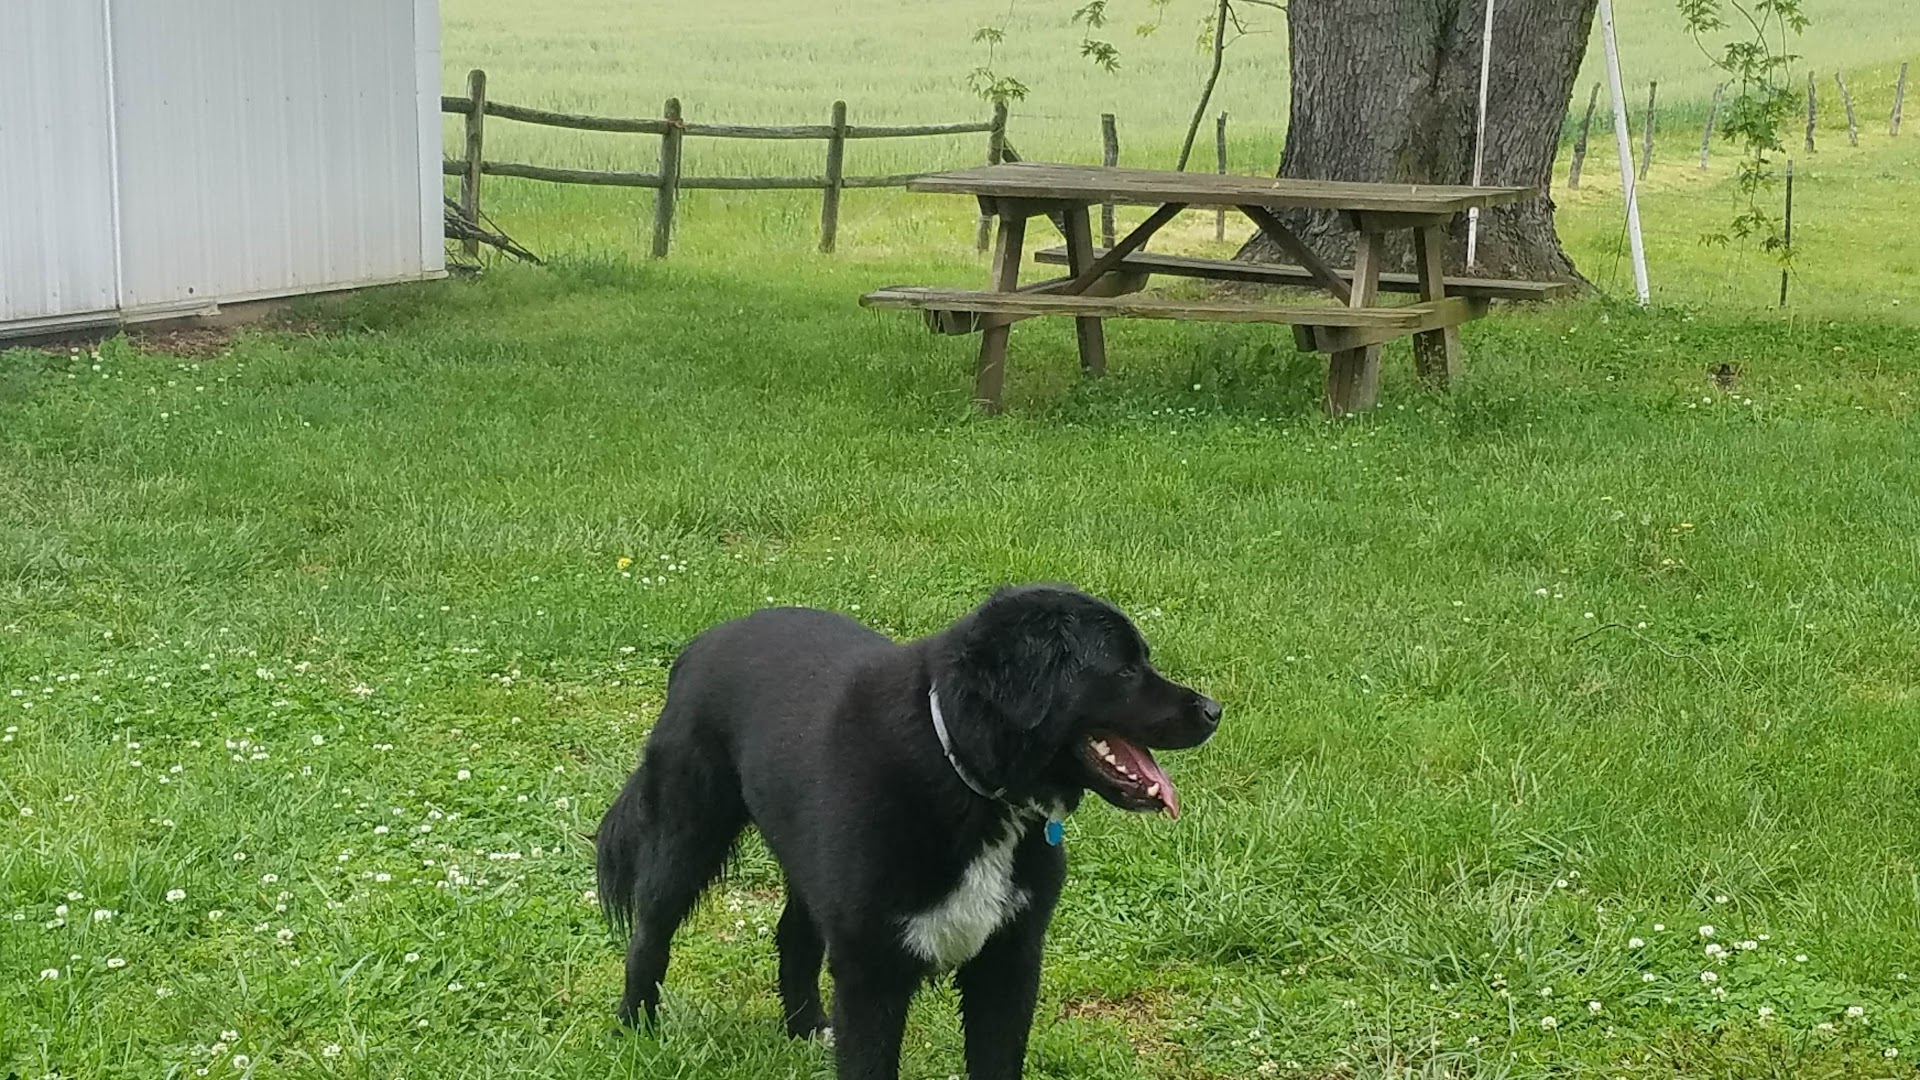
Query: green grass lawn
x,y
1572,717
329,634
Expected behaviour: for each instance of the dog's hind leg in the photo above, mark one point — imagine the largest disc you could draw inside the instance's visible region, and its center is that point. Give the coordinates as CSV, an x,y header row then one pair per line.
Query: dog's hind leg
x,y
801,951
661,844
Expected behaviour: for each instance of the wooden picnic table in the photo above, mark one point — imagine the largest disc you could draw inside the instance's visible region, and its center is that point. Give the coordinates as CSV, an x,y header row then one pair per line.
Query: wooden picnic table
x,y
1099,282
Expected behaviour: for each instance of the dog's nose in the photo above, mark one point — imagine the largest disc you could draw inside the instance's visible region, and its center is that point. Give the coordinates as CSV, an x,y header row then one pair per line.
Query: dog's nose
x,y
1210,709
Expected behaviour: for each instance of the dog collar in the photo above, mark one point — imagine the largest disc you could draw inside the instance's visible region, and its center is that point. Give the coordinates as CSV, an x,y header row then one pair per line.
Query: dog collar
x,y
946,747
1056,829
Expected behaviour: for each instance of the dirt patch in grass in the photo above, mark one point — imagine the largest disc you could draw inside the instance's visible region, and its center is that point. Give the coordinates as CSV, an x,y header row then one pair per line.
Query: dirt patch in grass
x,y
1143,1018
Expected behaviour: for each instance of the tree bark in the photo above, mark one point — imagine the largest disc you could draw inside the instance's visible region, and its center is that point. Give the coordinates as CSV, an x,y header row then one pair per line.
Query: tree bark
x,y
1388,90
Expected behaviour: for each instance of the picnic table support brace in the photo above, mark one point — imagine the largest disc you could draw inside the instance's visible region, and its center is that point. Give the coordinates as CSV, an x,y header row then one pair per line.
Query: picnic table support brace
x,y
1436,353
1090,330
1110,260
990,373
1301,253
1353,375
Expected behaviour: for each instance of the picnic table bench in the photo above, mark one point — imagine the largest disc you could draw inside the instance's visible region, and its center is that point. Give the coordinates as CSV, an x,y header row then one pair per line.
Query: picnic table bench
x,y
1100,282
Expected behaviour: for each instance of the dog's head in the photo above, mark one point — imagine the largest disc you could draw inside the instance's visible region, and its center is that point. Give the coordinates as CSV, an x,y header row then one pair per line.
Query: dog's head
x,y
1053,693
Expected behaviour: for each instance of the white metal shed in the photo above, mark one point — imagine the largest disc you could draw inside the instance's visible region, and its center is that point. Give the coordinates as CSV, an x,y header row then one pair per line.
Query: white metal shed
x,y
162,157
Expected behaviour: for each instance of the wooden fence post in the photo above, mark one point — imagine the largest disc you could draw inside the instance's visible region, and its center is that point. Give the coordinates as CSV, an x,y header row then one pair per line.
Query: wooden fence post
x,y
1220,151
1109,156
836,178
1713,117
669,190
476,147
1789,236
1846,99
1899,99
1813,109
996,153
1646,152
1580,142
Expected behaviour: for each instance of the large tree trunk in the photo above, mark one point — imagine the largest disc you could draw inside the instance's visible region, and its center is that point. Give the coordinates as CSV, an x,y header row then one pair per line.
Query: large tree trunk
x,y
1388,90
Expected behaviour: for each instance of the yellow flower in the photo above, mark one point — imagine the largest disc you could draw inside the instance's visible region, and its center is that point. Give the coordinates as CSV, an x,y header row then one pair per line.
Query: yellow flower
x,y
623,562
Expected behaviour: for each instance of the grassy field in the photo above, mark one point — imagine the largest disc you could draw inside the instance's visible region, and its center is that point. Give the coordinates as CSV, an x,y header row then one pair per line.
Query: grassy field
x,y
1572,716
759,61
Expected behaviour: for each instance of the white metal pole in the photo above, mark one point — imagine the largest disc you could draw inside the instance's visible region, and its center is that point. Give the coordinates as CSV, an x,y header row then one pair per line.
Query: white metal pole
x,y
1624,139
1480,137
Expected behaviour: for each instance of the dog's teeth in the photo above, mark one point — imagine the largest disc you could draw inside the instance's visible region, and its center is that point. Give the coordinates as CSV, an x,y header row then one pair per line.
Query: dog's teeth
x,y
1110,759
1100,747
1153,791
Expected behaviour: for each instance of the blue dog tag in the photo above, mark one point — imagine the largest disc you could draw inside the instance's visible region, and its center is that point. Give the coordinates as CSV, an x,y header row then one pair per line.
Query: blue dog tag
x,y
1056,832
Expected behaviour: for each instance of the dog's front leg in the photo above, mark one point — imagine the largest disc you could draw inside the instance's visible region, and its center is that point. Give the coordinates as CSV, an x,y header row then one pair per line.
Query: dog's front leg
x,y
998,989
870,1001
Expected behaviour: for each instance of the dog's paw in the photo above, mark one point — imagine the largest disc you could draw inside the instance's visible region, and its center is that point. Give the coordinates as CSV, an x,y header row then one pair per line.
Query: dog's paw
x,y
824,1034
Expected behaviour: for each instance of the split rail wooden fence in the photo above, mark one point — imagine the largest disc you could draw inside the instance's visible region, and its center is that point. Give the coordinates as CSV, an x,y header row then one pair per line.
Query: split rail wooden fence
x,y
673,129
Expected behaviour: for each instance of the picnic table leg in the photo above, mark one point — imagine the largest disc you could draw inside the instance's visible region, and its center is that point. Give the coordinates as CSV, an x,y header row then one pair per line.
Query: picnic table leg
x,y
1091,331
989,375
1353,375
1437,356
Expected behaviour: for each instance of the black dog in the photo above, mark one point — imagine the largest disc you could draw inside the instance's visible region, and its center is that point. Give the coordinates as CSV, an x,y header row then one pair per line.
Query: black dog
x,y
912,793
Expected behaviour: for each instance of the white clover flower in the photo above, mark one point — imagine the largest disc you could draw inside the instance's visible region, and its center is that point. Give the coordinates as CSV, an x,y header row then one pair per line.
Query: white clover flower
x,y
1855,1012
49,973
1549,1023
330,1050
1709,976
1706,931
1635,943
463,774
116,962
412,957
1766,1012
1594,1006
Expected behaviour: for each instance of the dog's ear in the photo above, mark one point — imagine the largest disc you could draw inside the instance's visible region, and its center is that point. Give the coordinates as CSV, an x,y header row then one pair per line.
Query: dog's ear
x,y
1019,650
1015,667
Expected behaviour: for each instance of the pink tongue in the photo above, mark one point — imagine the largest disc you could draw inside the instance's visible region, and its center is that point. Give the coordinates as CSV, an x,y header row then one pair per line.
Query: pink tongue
x,y
1140,761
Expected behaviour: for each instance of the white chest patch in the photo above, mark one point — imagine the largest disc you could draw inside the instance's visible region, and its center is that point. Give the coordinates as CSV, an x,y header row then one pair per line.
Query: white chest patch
x,y
952,932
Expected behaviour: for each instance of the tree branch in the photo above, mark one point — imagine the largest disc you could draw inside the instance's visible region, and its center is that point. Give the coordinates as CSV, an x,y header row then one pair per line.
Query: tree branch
x,y
1220,19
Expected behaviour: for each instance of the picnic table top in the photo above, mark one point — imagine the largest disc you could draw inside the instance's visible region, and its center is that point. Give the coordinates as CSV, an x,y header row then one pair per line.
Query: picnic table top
x,y
1149,187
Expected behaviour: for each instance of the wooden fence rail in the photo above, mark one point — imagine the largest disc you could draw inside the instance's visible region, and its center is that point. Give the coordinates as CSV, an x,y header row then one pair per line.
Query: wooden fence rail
x,y
673,130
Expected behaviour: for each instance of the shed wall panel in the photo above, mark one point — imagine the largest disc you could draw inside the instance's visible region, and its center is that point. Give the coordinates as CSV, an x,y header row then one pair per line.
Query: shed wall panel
x,y
266,147
57,254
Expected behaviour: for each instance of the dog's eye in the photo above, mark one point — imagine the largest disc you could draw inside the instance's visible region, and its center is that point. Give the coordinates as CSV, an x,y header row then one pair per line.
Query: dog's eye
x,y
1128,672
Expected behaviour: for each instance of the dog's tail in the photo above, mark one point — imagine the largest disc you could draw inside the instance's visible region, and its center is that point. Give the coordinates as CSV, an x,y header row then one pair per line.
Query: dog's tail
x,y
667,834
617,852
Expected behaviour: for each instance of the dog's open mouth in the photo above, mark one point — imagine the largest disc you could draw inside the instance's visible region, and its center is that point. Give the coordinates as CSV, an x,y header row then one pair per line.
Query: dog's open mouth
x,y
1126,775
